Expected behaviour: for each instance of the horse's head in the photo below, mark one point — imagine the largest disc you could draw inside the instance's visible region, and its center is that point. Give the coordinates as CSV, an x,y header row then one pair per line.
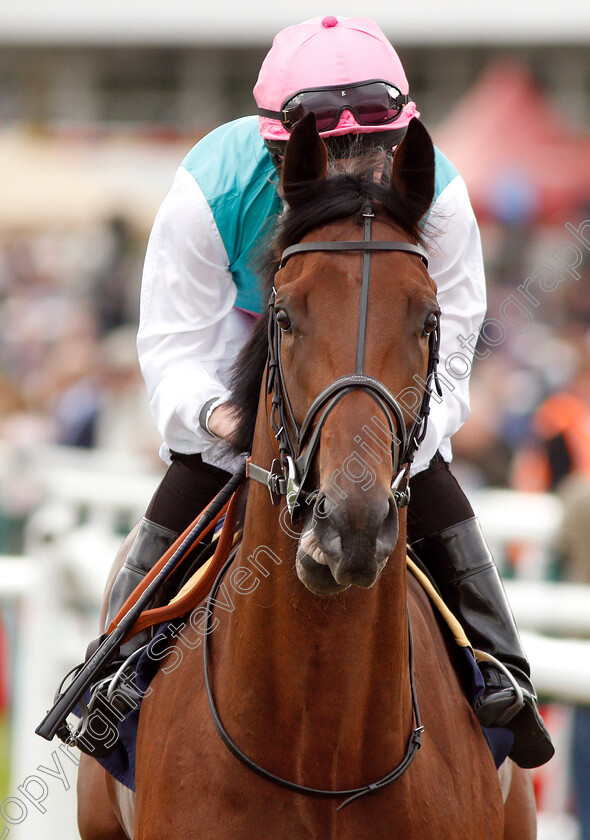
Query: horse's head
x,y
351,347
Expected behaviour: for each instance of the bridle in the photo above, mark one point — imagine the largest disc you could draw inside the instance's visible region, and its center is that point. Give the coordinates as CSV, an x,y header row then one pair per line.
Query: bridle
x,y
288,474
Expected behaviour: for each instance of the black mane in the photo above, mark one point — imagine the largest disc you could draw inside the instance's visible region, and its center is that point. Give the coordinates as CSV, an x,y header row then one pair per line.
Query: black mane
x,y
342,195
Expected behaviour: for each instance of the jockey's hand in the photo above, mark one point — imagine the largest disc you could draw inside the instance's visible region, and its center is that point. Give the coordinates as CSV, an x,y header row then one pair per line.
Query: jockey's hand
x,y
222,421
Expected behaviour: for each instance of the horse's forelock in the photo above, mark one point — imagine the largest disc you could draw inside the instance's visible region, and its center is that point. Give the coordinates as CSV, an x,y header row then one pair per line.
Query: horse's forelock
x,y
343,193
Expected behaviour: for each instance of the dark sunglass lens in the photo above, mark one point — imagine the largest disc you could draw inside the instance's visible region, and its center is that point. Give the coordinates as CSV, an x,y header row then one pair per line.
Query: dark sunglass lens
x,y
323,103
373,112
325,118
379,104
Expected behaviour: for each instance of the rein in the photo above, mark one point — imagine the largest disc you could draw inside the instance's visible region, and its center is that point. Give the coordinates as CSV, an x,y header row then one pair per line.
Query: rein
x,y
414,741
288,474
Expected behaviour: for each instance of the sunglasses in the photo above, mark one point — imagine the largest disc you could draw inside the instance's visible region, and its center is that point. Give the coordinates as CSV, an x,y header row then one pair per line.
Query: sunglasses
x,y
372,103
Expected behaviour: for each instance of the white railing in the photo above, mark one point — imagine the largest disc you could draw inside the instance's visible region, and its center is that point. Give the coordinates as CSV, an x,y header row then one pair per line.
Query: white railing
x,y
531,520
83,501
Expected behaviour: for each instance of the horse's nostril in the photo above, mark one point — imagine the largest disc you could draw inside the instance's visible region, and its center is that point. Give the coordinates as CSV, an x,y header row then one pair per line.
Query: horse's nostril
x,y
323,506
388,533
325,527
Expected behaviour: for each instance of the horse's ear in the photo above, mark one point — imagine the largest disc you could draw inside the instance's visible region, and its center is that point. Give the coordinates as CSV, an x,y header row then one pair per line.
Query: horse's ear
x,y
413,169
306,158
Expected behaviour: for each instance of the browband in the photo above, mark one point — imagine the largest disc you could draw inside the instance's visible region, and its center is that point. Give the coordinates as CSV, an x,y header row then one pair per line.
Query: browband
x,y
372,245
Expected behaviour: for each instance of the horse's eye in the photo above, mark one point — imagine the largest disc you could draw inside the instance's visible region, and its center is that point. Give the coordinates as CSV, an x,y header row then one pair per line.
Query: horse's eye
x,y
283,320
430,324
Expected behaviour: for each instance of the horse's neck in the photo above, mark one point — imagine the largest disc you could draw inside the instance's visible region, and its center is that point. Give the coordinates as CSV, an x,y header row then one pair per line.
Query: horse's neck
x,y
292,665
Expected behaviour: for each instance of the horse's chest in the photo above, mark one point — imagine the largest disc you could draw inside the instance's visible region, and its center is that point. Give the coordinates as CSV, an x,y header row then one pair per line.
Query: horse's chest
x,y
424,805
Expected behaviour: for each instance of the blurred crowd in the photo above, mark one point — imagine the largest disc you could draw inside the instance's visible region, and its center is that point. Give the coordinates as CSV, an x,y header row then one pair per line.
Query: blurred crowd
x,y
540,347
68,363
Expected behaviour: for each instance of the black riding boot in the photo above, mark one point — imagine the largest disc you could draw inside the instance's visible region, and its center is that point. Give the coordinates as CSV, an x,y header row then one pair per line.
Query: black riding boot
x,y
150,543
464,570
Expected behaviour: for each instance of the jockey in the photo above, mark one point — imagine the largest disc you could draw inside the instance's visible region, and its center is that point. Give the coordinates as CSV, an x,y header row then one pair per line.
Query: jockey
x,y
199,301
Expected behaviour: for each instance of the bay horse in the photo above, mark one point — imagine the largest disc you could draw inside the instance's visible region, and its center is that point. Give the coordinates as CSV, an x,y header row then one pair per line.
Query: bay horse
x,y
324,664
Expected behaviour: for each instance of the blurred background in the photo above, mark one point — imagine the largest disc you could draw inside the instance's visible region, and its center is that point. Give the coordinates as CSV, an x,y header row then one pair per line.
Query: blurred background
x,y
99,102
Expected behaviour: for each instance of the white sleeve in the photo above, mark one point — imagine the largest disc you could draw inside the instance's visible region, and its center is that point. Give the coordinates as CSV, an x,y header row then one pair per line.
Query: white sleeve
x,y
189,332
456,266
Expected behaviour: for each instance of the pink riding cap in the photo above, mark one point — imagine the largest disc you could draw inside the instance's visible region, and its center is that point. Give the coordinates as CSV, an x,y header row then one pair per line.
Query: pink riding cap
x,y
322,52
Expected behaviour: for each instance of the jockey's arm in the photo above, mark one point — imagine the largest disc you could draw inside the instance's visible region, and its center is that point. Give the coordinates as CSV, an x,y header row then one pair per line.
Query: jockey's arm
x,y
456,266
189,331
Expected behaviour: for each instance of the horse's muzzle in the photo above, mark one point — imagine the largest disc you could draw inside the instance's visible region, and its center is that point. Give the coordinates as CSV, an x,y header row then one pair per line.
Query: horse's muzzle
x,y
347,544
